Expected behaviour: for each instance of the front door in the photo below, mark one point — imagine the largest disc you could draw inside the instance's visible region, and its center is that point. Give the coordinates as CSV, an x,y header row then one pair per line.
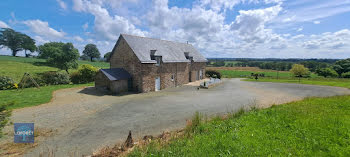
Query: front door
x,y
157,84
200,74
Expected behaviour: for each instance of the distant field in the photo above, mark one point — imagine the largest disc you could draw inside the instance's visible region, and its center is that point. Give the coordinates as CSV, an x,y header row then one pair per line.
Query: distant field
x,y
337,82
15,67
241,72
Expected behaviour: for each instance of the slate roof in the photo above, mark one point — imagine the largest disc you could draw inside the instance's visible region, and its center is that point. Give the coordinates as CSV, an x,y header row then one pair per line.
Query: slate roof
x,y
169,50
114,74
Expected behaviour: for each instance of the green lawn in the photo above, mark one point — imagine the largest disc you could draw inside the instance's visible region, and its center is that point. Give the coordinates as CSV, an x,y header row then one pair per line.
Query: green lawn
x,y
32,96
241,74
15,67
313,81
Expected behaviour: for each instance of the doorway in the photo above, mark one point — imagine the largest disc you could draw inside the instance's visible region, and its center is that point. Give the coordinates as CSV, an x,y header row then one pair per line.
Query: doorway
x,y
157,84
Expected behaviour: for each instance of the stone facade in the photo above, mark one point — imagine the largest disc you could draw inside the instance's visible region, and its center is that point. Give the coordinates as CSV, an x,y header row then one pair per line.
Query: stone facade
x,y
144,74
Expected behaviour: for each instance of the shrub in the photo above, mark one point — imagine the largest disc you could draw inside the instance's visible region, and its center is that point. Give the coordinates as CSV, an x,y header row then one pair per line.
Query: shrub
x,y
6,83
345,75
86,73
326,72
54,78
213,74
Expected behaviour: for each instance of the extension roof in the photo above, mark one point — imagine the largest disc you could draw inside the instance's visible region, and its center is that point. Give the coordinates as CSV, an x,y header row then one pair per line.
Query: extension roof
x,y
114,74
169,51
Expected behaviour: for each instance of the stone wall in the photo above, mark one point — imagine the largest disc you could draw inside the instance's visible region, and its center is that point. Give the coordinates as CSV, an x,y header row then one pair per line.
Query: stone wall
x,y
119,86
101,81
124,57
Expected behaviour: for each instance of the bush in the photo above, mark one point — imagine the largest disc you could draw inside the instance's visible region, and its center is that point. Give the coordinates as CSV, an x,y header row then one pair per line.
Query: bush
x,y
6,83
326,72
213,74
85,74
54,78
345,75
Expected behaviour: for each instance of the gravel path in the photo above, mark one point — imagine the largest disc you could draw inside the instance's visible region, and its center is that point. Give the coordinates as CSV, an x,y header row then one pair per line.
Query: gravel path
x,y
86,120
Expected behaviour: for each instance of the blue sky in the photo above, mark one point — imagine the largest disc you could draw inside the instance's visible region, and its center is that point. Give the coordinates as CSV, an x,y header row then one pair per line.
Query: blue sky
x,y
217,28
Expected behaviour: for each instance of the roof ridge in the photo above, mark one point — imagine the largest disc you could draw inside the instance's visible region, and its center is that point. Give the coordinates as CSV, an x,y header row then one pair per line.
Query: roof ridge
x,y
155,39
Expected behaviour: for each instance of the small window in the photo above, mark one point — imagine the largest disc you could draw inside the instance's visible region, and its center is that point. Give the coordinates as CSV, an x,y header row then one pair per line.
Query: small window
x,y
172,77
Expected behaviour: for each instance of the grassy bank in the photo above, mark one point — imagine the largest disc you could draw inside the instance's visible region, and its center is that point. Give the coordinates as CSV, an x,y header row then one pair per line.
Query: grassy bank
x,y
313,81
15,67
32,96
312,127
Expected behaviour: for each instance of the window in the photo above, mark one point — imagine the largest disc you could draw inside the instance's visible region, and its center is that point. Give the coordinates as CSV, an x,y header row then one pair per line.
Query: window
x,y
172,77
158,59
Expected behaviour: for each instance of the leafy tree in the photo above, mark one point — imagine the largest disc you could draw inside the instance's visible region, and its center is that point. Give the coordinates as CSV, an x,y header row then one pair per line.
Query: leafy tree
x,y
342,66
28,44
61,55
91,51
107,56
46,51
299,70
325,72
11,39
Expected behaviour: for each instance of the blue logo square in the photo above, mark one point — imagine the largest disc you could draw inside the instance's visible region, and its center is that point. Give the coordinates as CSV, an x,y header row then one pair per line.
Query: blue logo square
x,y
24,132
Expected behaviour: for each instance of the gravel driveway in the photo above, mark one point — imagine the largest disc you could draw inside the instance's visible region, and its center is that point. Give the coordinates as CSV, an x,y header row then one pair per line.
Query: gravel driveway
x,y
86,120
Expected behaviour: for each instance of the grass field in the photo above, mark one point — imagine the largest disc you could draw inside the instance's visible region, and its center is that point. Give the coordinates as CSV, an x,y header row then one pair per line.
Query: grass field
x,y
32,96
242,72
15,67
313,81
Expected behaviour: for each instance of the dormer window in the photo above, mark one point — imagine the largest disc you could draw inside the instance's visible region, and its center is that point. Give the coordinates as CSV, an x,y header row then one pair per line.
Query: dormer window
x,y
187,55
153,52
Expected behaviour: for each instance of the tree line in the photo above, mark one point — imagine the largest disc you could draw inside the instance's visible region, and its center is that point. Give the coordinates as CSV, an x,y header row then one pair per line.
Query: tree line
x,y
59,54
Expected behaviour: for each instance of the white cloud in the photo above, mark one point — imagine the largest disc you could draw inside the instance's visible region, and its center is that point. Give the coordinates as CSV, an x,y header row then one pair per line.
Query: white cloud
x,y
250,24
62,4
85,26
106,27
3,25
317,22
300,29
42,28
78,39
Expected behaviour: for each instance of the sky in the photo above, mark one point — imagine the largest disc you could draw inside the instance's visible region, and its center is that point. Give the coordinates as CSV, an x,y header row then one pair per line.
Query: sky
x,y
217,28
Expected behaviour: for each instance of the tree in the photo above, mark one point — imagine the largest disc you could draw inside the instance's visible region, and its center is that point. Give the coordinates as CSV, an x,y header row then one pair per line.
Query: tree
x,y
61,55
47,50
325,72
91,51
342,66
11,39
28,44
107,56
299,70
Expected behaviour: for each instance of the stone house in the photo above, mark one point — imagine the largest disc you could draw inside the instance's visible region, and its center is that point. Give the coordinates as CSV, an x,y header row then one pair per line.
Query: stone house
x,y
143,64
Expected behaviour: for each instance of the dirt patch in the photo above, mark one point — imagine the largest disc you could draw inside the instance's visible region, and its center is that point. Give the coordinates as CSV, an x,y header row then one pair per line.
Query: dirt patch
x,y
10,149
